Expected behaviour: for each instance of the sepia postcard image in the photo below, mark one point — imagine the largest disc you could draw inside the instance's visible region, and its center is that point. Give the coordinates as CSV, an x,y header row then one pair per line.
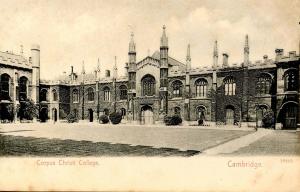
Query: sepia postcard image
x,y
150,95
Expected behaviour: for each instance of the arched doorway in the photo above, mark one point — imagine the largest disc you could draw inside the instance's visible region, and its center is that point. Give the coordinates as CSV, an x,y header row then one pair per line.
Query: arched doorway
x,y
147,115
123,112
229,115
44,114
289,115
260,111
54,114
91,115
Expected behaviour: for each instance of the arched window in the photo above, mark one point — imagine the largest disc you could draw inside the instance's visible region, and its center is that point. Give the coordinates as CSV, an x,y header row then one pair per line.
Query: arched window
x,y
290,80
148,85
229,86
5,87
201,88
75,96
23,84
91,94
44,95
54,95
264,84
123,92
177,111
106,92
177,88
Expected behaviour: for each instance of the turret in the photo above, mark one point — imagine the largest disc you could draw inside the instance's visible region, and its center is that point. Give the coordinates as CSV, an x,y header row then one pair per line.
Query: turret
x,y
246,52
215,55
132,64
188,58
98,70
164,59
83,68
115,70
35,60
164,72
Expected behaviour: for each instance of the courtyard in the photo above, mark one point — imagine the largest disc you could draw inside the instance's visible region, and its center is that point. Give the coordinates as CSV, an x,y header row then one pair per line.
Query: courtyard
x,y
91,139
108,140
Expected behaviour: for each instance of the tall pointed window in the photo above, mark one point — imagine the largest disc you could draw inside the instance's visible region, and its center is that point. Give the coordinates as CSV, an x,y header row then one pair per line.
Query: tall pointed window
x,y
91,94
75,96
230,85
23,88
148,85
290,80
5,87
177,88
44,95
201,88
123,92
106,92
263,85
54,95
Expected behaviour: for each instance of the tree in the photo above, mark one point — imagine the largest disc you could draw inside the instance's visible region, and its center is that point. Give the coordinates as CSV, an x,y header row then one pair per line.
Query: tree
x,y
268,119
28,110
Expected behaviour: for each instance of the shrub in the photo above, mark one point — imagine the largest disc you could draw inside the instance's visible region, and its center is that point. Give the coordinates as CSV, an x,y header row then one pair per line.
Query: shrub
x,y
62,114
200,122
173,120
27,110
268,119
72,118
115,117
103,119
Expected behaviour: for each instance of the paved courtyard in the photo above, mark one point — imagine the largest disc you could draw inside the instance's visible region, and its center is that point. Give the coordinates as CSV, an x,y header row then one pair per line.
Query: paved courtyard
x,y
96,139
277,143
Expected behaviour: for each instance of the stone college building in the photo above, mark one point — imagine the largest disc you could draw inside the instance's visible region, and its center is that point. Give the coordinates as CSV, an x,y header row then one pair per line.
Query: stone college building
x,y
159,85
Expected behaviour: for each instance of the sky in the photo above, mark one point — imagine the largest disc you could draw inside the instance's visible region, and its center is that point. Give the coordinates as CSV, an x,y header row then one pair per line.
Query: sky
x,y
72,31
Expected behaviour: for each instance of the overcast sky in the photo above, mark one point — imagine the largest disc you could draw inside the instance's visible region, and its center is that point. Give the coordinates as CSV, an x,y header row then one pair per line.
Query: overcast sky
x,y
72,31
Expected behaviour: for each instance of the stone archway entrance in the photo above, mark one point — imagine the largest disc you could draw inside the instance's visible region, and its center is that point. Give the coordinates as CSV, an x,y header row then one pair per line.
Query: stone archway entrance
x,y
44,114
229,115
91,115
147,115
289,115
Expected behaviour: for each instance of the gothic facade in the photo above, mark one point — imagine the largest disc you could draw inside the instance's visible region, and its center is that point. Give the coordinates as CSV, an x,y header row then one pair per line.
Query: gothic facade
x,y
160,85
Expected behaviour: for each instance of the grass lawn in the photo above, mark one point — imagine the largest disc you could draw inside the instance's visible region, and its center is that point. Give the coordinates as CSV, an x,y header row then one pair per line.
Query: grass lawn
x,y
30,146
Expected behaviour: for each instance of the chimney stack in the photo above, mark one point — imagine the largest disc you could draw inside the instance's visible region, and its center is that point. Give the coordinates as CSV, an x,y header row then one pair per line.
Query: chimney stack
x,y
107,73
265,58
279,54
225,60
